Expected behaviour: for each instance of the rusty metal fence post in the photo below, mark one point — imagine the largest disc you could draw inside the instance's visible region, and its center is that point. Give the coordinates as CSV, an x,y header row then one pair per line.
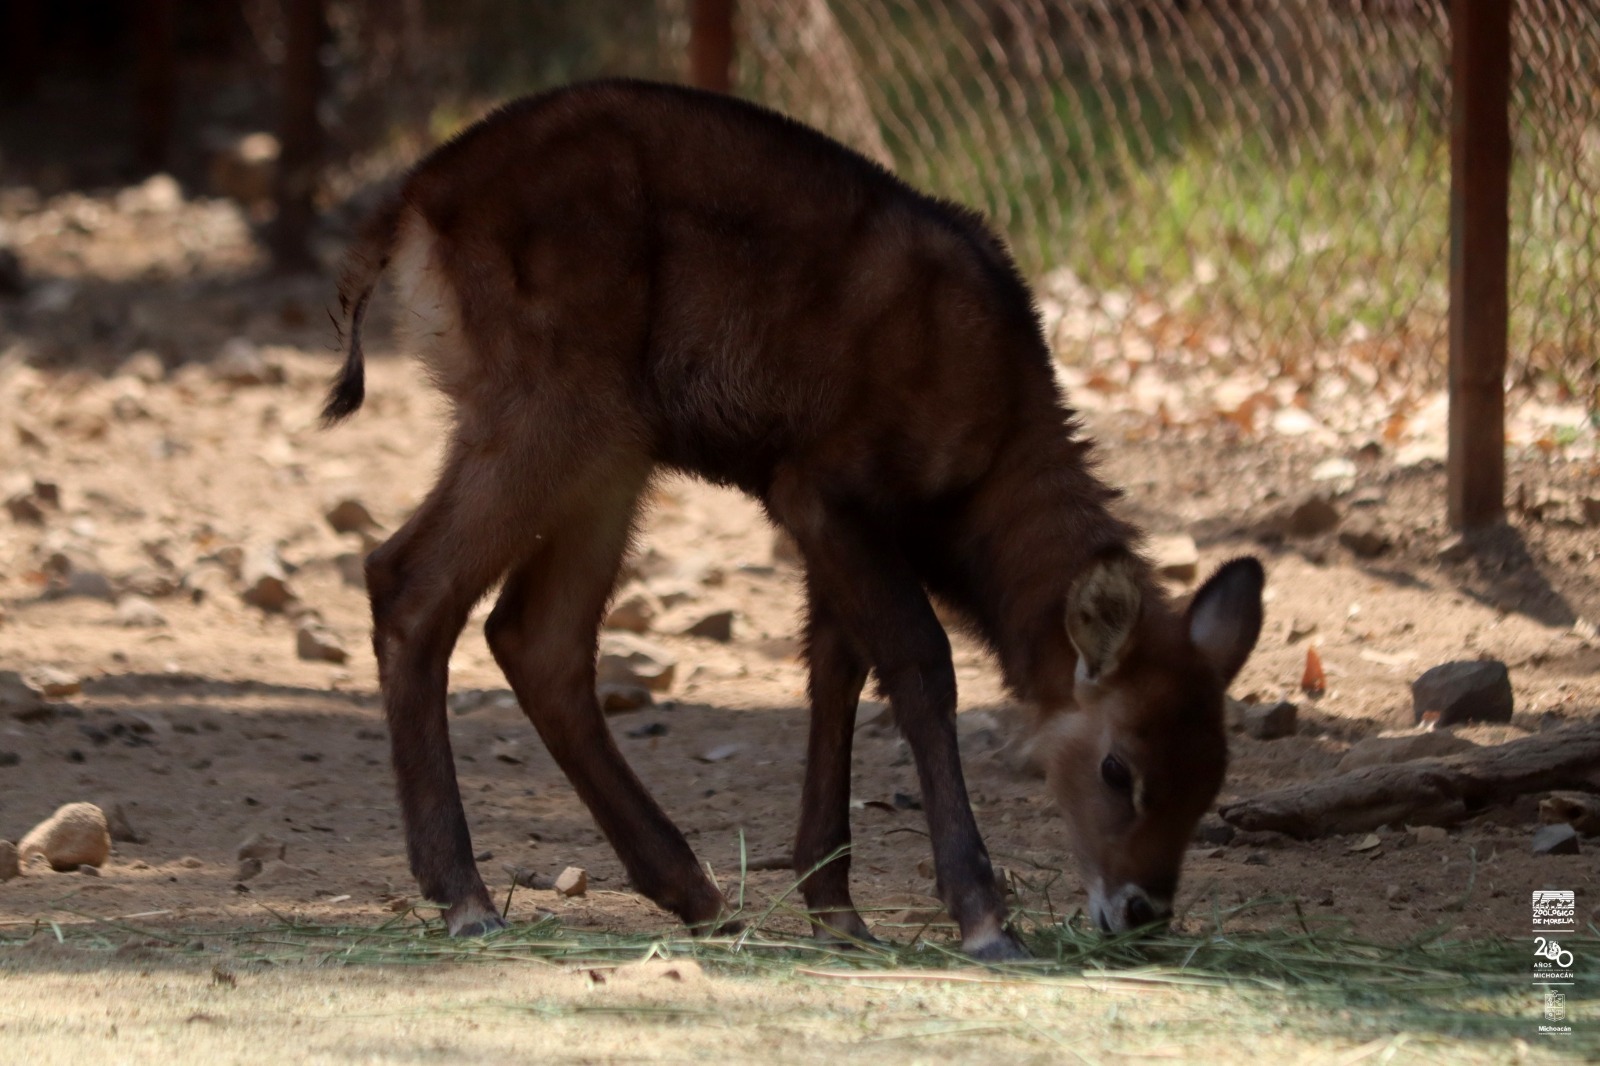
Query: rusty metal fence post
x,y
1480,186
711,45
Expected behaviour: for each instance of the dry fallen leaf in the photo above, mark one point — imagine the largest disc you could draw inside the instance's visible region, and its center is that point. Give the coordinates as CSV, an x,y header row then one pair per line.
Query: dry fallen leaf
x,y
1313,682
1366,843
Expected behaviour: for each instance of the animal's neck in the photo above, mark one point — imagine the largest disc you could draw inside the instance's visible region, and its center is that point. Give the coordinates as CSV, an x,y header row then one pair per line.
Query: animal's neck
x,y
1038,521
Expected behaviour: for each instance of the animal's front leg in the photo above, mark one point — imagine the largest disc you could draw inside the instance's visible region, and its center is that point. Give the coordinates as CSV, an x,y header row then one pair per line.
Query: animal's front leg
x,y
875,595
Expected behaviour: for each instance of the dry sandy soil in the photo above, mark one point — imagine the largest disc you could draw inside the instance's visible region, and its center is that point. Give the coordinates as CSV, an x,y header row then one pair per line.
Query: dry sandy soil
x,y
195,714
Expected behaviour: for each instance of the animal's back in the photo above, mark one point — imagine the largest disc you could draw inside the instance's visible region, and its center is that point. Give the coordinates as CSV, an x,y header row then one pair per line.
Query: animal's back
x,y
754,290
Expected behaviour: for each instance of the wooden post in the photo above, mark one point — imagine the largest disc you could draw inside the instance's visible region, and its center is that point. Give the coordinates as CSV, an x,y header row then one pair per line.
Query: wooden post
x,y
1480,189
711,45
156,77
299,134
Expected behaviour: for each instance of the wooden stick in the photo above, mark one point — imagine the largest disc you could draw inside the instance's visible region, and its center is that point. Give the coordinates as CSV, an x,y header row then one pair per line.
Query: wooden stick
x,y
1426,791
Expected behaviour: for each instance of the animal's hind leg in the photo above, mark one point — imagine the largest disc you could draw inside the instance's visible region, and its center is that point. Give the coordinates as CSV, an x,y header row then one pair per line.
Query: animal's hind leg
x,y
837,673
422,583
543,634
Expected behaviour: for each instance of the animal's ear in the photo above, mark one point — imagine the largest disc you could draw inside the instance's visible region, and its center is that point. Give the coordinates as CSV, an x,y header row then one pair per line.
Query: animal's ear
x,y
1225,615
1102,608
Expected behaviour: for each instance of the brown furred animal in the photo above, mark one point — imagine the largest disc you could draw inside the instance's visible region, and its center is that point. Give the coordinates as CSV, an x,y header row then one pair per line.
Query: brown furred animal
x,y
620,277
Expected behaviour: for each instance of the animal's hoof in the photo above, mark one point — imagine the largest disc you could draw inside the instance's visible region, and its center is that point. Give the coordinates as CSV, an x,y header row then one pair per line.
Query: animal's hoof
x,y
717,927
1003,948
468,920
828,938
842,931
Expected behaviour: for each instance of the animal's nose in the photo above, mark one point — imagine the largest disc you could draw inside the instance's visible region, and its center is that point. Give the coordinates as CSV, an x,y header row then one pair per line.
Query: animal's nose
x,y
1141,912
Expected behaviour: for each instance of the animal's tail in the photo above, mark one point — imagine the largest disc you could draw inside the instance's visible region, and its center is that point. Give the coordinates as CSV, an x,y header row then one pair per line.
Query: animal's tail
x,y
364,264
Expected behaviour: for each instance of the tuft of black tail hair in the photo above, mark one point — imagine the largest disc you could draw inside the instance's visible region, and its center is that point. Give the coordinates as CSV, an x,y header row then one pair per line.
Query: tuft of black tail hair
x,y
350,387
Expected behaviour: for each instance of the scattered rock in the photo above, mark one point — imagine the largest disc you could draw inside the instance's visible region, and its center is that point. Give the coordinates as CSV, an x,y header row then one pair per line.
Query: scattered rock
x,y
76,834
1312,517
634,611
241,363
1366,538
1371,496
1395,894
1464,692
136,612
1335,469
1431,834
121,828
626,659
352,567
144,366
315,642
262,846
191,862
55,683
671,592
1271,722
1387,750
266,584
720,753
507,751
208,581
1299,629
84,584
1559,839
573,881
20,699
717,625
1214,832
350,516
1581,810
24,507
1175,557
649,729
248,868
148,581
617,699
9,866
89,871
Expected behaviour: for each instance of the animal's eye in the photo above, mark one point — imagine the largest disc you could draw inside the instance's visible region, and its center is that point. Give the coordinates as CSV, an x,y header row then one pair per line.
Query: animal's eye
x,y
1115,774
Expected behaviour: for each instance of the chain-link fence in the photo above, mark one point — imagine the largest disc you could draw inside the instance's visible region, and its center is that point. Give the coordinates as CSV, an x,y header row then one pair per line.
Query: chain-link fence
x,y
1261,183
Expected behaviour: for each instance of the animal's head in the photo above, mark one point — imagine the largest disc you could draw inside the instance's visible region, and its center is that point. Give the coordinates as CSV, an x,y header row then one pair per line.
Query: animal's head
x,y
1141,755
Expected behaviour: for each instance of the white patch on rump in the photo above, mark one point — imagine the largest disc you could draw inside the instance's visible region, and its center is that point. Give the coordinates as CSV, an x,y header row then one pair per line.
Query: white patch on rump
x,y
430,321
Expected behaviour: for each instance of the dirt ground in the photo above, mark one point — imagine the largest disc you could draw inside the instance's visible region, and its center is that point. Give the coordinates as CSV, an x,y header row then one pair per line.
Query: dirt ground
x,y
140,487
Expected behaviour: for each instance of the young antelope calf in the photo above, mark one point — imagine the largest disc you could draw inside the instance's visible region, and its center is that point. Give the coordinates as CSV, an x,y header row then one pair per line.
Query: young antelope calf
x,y
619,277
